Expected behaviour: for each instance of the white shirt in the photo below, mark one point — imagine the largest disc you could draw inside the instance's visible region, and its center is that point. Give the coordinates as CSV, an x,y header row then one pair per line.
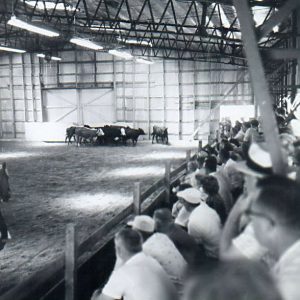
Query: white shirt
x,y
183,217
287,273
205,226
161,247
141,277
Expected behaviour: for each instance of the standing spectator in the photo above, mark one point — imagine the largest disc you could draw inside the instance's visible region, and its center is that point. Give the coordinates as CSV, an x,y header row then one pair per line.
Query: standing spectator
x,y
140,276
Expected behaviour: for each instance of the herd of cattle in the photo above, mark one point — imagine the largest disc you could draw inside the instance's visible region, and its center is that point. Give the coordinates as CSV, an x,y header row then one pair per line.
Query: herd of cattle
x,y
109,134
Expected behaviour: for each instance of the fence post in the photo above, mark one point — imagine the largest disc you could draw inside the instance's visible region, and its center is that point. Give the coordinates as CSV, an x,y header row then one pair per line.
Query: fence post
x,y
137,198
70,263
167,181
188,157
199,146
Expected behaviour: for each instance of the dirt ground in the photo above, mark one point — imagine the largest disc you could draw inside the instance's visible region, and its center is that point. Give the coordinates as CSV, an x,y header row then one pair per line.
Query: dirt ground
x,y
54,184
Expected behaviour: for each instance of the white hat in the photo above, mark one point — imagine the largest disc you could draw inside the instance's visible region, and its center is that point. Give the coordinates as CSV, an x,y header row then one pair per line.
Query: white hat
x,y
191,195
142,223
258,162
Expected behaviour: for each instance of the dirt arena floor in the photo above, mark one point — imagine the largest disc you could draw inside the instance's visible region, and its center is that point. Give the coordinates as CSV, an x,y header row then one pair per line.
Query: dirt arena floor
x,y
54,184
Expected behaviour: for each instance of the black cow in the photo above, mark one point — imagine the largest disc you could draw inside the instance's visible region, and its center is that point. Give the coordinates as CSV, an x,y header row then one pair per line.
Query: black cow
x,y
113,134
160,133
84,134
133,134
70,133
4,195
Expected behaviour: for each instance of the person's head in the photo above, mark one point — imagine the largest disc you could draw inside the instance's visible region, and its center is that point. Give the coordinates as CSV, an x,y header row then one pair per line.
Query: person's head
x,y
254,123
275,212
210,164
143,224
163,219
244,279
210,185
192,166
245,126
128,242
224,155
190,198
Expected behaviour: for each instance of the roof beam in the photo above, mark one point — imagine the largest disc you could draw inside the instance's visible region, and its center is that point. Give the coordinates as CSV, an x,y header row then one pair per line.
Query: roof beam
x,y
277,18
282,53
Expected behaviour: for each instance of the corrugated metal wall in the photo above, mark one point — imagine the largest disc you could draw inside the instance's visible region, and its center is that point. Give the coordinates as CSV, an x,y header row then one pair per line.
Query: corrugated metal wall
x,y
178,94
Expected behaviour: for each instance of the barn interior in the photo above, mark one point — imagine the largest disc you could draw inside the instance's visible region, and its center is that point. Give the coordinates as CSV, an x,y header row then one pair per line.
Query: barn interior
x,y
185,65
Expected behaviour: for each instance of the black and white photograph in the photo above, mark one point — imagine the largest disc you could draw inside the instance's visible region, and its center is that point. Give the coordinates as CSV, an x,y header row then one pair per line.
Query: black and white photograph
x,y
149,149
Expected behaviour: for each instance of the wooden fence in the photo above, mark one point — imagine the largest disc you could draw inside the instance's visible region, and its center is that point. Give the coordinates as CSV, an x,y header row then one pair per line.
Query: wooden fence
x,y
65,267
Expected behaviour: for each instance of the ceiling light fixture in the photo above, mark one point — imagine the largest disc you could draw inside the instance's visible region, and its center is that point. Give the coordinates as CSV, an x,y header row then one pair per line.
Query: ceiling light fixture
x,y
48,57
9,49
85,43
121,54
23,25
106,29
51,5
144,61
135,42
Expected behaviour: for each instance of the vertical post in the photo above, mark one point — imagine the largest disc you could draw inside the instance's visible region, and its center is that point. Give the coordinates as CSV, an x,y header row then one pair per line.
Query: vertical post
x,y
188,157
115,89
24,88
133,96
70,263
124,92
167,181
148,101
164,93
199,146
12,96
260,85
32,68
298,47
137,198
179,101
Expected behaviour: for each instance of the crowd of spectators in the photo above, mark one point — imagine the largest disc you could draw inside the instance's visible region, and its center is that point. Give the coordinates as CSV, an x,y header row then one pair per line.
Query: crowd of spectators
x,y
231,231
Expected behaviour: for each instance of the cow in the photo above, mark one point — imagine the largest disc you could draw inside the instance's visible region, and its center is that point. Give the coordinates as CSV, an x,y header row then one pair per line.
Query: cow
x,y
70,133
5,196
160,133
87,134
133,134
113,134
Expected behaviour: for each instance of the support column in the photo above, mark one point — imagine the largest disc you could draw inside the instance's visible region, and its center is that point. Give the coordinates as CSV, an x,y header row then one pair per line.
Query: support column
x,y
115,89
12,101
24,89
148,102
179,101
32,68
260,86
164,94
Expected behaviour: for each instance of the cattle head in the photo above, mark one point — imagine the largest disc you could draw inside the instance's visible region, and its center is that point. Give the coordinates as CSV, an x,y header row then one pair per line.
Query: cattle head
x,y
4,184
141,131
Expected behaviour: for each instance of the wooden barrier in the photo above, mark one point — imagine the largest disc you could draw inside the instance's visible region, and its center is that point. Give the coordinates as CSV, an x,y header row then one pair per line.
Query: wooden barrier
x,y
70,263
167,181
137,198
38,284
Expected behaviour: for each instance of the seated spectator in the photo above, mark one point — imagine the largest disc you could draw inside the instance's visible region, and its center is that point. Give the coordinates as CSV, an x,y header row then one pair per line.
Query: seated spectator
x,y
274,213
176,203
190,198
232,280
223,181
192,167
140,276
210,187
185,244
160,247
204,225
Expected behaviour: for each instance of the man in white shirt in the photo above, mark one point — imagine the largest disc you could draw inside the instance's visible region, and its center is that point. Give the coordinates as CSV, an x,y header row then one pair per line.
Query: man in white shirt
x,y
139,277
205,227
